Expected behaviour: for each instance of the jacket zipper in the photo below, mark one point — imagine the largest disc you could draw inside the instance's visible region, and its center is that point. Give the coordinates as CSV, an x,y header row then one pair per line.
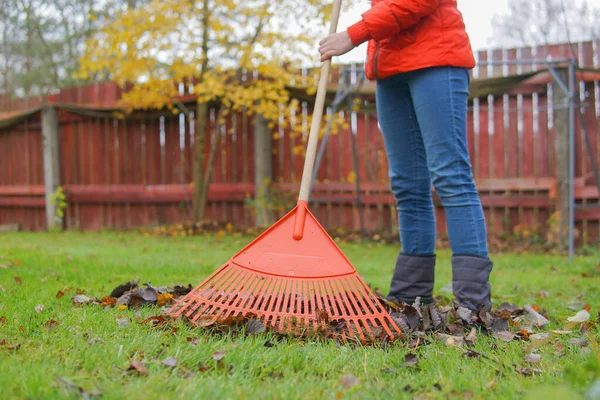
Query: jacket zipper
x,y
375,59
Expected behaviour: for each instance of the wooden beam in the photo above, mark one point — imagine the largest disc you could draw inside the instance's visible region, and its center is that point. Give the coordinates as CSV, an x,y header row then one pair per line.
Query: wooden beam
x,y
51,162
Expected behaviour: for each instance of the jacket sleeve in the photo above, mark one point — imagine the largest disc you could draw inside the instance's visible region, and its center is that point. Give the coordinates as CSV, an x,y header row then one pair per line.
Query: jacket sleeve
x,y
390,17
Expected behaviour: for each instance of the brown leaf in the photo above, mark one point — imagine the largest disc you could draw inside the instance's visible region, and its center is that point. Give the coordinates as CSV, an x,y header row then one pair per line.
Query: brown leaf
x,y
155,320
141,296
108,301
170,362
471,337
579,342
179,291
504,336
543,294
491,384
51,324
533,358
410,360
21,329
254,326
268,343
2,320
165,298
121,289
219,355
60,294
139,367
500,324
348,381
322,316
39,308
533,314
18,280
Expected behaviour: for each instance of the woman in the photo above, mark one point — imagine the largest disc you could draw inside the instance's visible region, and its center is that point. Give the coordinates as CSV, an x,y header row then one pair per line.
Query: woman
x,y
420,55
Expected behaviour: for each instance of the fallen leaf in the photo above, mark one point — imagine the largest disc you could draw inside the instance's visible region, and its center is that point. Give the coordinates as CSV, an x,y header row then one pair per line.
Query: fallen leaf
x,y
18,280
533,358
51,324
348,381
491,384
39,308
170,362
450,341
122,322
202,367
179,290
122,307
164,298
139,367
504,336
219,355
254,326
465,314
2,320
561,332
322,316
535,317
60,294
121,289
579,342
81,299
108,301
543,294
268,343
140,297
155,320
471,337
388,370
410,360
500,324
540,336
508,306
580,317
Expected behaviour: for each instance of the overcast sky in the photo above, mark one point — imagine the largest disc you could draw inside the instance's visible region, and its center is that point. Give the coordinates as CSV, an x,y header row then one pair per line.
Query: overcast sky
x,y
478,15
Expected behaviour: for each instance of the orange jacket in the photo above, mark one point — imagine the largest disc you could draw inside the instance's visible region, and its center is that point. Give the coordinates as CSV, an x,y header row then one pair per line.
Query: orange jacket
x,y
405,35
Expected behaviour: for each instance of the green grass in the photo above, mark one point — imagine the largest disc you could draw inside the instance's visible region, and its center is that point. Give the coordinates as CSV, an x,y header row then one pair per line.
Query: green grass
x,y
88,347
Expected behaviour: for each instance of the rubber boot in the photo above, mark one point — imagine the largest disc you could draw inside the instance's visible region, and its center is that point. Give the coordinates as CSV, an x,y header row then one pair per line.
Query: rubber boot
x,y
413,277
470,281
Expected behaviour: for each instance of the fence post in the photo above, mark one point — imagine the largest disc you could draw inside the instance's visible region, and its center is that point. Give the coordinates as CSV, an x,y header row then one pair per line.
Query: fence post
x,y
561,107
263,168
51,161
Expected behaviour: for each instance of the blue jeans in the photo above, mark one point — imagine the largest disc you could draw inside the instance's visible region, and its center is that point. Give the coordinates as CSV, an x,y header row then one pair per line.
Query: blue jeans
x,y
423,118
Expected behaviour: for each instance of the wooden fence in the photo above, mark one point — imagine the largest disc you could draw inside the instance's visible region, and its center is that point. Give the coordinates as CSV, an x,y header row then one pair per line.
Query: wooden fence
x,y
127,173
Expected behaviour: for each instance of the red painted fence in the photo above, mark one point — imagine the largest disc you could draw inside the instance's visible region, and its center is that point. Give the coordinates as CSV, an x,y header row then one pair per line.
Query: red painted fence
x,y
136,172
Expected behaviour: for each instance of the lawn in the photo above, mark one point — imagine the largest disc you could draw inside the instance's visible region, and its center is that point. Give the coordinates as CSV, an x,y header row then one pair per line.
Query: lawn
x,y
62,351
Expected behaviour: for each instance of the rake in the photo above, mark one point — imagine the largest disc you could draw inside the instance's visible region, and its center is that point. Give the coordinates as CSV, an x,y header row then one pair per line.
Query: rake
x,y
293,277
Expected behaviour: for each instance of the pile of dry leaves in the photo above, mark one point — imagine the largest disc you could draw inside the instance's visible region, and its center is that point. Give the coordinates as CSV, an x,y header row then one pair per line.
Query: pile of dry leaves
x,y
454,326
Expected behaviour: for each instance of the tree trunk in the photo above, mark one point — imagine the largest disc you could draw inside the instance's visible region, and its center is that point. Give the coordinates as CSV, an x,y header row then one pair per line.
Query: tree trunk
x,y
210,167
200,143
263,169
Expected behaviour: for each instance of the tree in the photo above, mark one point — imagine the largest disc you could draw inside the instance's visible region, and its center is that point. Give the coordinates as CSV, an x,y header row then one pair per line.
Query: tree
x,y
542,22
42,40
212,44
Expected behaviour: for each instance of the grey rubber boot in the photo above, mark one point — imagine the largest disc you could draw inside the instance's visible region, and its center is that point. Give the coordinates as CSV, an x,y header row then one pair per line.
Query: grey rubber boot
x,y
413,277
470,281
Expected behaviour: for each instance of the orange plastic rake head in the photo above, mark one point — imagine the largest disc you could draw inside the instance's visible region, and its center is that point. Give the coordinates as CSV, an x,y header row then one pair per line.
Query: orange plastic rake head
x,y
290,283
293,275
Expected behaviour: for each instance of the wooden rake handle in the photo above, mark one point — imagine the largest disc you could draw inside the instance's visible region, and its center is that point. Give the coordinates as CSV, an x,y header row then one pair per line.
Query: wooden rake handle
x,y
313,135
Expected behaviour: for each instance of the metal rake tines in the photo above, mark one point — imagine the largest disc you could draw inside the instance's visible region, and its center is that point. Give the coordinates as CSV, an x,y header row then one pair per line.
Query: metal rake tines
x,y
344,304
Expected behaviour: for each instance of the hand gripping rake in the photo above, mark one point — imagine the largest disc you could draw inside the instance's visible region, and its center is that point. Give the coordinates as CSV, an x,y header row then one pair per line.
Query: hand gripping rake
x,y
293,276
